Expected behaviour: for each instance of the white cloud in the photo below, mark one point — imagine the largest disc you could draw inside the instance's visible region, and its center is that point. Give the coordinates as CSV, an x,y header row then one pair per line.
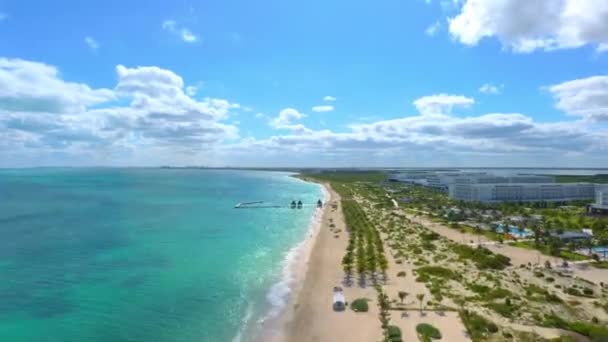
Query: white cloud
x,y
184,33
188,36
37,87
322,109
525,26
286,120
91,43
506,136
489,88
41,112
441,103
433,29
329,98
286,117
148,118
585,97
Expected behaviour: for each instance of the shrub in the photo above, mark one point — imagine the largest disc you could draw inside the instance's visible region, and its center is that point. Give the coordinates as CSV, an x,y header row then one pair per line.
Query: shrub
x,y
482,257
476,325
587,291
394,333
573,292
549,279
428,332
481,289
429,236
552,298
436,271
428,246
401,274
359,305
502,308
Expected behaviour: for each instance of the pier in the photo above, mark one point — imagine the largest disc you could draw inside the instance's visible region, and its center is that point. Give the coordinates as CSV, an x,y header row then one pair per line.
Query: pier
x,y
264,205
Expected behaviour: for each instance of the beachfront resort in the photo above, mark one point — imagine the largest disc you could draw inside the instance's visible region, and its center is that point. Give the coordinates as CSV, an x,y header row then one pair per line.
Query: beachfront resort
x,y
431,264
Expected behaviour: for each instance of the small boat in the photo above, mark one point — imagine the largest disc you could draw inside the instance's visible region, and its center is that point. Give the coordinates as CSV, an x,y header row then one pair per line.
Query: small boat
x,y
293,204
299,204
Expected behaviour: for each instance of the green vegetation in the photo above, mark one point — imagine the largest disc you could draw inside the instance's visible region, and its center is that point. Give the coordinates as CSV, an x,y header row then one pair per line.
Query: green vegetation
x,y
537,293
394,333
402,296
592,330
504,309
601,178
359,305
585,292
477,326
427,332
435,271
523,295
344,176
482,257
365,250
486,293
384,315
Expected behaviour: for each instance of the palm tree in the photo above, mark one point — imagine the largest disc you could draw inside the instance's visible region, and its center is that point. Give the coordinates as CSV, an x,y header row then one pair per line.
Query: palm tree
x,y
588,244
420,298
521,230
555,245
537,233
402,295
477,230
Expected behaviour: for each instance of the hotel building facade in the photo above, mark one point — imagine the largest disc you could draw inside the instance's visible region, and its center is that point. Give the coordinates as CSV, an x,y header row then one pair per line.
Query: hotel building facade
x,y
522,192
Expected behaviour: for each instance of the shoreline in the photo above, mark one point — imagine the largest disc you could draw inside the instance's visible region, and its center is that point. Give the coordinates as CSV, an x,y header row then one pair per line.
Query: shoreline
x,y
284,293
309,316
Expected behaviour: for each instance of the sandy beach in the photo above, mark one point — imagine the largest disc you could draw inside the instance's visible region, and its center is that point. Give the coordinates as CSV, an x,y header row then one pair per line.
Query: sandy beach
x,y
309,316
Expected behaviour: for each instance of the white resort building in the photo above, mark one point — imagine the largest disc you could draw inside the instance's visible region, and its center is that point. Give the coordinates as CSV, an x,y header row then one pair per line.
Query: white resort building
x,y
525,192
601,201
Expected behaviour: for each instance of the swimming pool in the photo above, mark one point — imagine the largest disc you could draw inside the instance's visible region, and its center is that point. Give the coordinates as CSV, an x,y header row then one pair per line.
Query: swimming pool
x,y
514,231
600,250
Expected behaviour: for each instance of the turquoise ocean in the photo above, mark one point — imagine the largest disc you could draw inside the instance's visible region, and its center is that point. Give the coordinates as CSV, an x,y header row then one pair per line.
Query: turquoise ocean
x,y
144,254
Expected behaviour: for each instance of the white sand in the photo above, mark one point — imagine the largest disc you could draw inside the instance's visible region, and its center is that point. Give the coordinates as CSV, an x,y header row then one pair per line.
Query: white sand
x,y
311,317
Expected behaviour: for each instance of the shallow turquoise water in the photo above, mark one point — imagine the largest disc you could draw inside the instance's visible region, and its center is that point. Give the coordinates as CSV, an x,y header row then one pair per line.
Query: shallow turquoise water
x,y
141,254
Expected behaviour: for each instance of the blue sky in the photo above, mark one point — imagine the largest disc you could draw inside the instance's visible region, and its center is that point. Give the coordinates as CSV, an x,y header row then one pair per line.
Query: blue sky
x,y
405,83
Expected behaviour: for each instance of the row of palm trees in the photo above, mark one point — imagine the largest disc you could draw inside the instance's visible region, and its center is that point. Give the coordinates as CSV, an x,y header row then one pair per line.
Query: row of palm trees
x,y
365,250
